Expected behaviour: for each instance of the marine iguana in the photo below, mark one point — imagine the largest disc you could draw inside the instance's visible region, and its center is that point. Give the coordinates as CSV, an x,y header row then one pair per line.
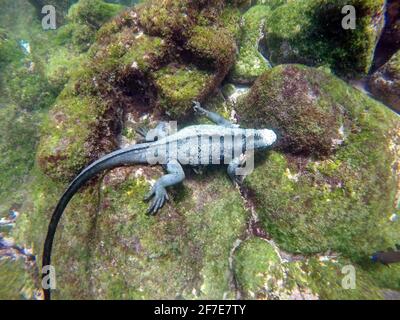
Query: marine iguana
x,y
193,146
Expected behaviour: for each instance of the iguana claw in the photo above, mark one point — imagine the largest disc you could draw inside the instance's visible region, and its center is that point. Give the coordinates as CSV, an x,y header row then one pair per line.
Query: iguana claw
x,y
197,108
160,197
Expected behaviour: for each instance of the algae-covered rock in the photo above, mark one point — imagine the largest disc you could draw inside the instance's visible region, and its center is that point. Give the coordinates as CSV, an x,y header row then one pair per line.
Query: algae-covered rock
x,y
84,18
384,84
262,274
17,282
9,49
333,185
258,269
26,85
273,4
386,277
344,201
136,60
332,279
251,63
177,85
107,248
311,32
18,136
289,100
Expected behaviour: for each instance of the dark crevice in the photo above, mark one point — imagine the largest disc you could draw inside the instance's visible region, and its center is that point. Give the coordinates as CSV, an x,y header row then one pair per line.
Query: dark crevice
x,y
389,42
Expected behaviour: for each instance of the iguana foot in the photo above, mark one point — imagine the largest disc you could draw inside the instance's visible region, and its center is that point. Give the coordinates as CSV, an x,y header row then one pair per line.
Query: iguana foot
x,y
198,109
233,166
160,197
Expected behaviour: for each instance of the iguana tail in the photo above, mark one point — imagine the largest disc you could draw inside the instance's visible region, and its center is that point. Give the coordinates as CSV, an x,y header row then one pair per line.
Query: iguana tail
x,y
123,157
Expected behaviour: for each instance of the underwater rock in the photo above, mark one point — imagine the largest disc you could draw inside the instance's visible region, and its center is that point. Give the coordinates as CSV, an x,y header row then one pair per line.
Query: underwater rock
x,y
158,63
83,20
312,205
9,49
251,63
262,274
107,248
258,269
18,280
384,84
289,100
311,32
18,137
273,4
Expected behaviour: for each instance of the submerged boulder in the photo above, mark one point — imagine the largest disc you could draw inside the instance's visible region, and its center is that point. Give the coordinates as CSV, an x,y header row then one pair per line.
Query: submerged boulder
x,y
157,63
331,184
9,49
311,32
262,273
384,84
289,100
342,201
107,248
251,63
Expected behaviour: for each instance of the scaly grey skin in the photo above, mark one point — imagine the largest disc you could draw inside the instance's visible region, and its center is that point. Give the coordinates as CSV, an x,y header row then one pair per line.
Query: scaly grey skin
x,y
225,141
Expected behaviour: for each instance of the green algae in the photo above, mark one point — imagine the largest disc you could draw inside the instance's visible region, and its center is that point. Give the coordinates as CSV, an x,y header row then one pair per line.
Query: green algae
x,y
251,63
310,32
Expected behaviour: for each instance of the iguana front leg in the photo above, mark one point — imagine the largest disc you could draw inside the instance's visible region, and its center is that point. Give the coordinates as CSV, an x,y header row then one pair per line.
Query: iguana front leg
x,y
161,131
233,166
159,192
214,117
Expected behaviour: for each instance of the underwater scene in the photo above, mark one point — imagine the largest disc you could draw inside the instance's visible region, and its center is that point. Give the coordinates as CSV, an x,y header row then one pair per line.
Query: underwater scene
x,y
200,150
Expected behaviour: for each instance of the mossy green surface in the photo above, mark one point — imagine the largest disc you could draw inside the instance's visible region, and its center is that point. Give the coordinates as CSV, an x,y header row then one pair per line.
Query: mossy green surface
x,y
327,279
18,137
16,282
251,63
257,267
288,99
146,50
311,32
27,86
127,63
387,277
177,86
273,4
214,46
66,130
85,18
107,248
9,49
343,202
230,19
261,274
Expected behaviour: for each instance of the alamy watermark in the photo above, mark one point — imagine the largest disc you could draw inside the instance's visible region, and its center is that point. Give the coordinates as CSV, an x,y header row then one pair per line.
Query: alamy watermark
x,y
349,280
349,22
49,21
49,278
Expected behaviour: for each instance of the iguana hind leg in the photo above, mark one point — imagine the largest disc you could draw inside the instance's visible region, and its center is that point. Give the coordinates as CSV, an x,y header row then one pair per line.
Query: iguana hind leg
x,y
232,169
214,117
159,192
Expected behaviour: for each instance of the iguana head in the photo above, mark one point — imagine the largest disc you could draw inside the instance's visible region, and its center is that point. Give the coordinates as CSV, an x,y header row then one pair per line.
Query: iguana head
x,y
264,138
